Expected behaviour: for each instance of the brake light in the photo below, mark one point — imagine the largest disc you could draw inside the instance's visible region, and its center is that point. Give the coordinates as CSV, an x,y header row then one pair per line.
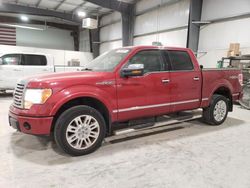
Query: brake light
x,y
240,78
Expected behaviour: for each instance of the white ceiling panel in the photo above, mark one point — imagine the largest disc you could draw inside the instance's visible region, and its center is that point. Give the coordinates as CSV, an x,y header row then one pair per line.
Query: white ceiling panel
x,y
50,4
74,2
28,2
67,7
91,5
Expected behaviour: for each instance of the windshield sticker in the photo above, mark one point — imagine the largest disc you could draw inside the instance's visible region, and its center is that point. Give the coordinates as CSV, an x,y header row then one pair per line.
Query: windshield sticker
x,y
123,51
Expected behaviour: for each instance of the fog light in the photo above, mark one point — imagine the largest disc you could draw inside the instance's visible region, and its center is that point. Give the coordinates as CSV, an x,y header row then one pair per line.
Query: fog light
x,y
27,126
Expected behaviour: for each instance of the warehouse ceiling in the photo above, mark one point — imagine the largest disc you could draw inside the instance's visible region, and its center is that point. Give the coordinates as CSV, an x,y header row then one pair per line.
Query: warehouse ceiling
x,y
57,11
66,6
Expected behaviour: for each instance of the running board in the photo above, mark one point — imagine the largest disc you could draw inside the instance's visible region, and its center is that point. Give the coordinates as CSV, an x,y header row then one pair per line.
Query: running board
x,y
166,121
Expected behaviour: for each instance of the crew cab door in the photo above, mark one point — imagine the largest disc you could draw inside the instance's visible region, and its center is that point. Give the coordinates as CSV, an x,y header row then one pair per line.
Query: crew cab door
x,y
10,70
185,81
35,64
146,95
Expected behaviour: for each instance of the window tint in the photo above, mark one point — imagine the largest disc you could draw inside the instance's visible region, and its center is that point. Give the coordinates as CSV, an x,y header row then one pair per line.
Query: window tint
x,y
11,59
180,60
35,60
151,59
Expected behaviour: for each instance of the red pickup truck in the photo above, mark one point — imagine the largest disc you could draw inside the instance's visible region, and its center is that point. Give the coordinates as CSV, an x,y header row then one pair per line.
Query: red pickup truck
x,y
82,108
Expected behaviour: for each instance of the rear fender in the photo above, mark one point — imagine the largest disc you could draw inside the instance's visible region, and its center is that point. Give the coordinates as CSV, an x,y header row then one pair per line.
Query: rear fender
x,y
223,84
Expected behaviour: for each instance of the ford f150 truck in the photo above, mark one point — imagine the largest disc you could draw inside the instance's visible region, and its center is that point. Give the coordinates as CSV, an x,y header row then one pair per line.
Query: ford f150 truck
x,y
123,85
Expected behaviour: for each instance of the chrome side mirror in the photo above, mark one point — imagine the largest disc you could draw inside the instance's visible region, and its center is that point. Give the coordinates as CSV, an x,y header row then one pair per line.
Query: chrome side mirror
x,y
133,70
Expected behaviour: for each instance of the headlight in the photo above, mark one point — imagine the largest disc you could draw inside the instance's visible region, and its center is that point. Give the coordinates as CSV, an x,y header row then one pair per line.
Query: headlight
x,y
36,96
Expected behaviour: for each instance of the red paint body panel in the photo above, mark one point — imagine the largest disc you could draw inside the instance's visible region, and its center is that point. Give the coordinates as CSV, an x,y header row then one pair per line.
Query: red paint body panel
x,y
39,125
128,98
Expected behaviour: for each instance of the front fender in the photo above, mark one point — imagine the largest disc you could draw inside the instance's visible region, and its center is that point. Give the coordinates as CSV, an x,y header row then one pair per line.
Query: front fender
x,y
106,95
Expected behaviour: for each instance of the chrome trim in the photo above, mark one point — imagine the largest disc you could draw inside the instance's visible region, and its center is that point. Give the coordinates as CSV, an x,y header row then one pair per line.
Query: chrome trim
x,y
196,78
18,95
107,82
219,69
234,77
236,94
154,106
205,99
165,81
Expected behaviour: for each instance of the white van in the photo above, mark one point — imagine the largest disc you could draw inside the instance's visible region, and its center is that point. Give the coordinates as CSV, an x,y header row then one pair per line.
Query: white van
x,y
17,65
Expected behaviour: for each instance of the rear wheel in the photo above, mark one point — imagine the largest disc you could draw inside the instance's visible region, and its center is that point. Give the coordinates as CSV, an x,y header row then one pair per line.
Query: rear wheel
x,y
217,111
80,130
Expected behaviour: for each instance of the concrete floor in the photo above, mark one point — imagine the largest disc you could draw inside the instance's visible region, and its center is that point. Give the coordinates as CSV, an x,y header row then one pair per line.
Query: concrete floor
x,y
192,156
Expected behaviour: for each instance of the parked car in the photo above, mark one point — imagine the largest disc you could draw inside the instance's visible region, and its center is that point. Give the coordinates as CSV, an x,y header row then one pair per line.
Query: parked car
x,y
17,65
132,83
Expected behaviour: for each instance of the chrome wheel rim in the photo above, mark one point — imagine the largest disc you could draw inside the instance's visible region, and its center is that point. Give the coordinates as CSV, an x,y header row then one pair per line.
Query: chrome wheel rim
x,y
220,110
82,132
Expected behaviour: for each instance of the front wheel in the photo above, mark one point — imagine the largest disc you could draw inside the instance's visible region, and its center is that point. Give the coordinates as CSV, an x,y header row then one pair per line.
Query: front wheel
x,y
80,130
217,111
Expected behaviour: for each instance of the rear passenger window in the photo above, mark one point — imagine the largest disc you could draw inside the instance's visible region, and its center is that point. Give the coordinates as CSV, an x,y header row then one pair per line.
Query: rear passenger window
x,y
34,60
180,60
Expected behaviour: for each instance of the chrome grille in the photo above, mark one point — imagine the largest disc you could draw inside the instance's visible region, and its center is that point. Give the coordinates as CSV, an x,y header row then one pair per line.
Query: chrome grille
x,y
18,96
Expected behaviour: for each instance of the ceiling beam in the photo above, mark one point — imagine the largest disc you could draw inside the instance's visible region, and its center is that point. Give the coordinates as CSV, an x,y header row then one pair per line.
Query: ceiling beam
x,y
112,4
38,3
63,1
13,8
8,19
79,6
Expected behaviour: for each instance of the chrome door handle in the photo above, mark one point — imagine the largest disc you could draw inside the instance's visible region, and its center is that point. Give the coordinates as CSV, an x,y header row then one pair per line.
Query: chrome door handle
x,y
196,78
17,69
165,81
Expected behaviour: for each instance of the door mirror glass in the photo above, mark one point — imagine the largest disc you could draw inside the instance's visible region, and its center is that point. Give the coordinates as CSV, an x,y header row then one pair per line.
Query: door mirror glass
x,y
1,61
133,70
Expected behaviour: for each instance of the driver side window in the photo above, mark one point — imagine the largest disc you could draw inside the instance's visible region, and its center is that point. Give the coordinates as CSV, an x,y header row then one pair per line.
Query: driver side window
x,y
151,59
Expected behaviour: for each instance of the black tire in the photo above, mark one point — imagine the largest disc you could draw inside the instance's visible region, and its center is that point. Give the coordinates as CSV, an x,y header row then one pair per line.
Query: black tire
x,y
65,119
208,113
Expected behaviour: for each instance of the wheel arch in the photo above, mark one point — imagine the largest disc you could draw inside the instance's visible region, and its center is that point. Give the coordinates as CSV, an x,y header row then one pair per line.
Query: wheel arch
x,y
226,92
88,101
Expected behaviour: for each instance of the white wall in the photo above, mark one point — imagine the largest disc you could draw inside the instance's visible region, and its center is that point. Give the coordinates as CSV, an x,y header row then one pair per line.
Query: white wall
x,y
110,32
110,18
172,15
84,43
50,38
61,57
110,45
215,38
173,38
224,8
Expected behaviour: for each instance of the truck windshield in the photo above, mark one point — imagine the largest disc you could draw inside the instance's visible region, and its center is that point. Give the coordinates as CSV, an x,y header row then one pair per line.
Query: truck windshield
x,y
107,61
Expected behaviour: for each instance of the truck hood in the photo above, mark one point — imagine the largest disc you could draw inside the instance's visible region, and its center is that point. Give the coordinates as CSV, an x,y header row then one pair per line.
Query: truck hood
x,y
64,80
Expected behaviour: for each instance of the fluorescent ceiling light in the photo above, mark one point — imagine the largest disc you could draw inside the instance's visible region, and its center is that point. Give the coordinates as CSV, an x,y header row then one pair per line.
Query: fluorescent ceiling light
x,y
81,13
24,18
22,26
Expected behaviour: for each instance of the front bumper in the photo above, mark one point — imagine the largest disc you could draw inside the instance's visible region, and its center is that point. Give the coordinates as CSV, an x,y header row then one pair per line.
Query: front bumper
x,y
31,125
